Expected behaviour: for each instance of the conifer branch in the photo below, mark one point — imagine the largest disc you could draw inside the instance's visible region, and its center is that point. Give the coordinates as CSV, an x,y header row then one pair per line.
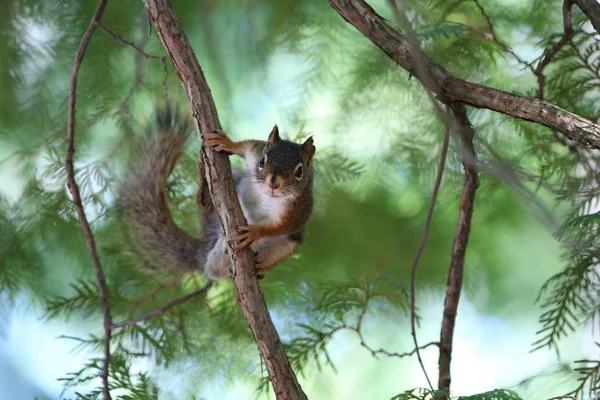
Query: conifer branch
x,y
591,8
74,189
455,273
218,175
495,38
363,342
163,309
125,42
552,51
449,88
154,293
139,51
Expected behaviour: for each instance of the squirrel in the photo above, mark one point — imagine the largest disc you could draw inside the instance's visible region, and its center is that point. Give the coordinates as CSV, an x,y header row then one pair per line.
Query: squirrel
x,y
275,193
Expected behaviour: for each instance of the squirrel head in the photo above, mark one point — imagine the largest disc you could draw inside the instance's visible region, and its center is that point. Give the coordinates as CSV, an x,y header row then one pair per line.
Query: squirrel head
x,y
285,168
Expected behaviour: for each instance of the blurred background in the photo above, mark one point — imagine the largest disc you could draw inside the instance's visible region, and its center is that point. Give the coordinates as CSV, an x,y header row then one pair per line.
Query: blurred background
x,y
300,65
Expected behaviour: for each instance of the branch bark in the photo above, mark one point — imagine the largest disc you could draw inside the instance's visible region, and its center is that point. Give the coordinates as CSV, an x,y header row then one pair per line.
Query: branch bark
x,y
451,88
591,8
455,273
218,174
74,189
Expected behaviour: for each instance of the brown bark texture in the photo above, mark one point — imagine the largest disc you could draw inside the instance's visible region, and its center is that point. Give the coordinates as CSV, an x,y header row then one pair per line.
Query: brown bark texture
x,y
453,89
591,8
459,249
218,174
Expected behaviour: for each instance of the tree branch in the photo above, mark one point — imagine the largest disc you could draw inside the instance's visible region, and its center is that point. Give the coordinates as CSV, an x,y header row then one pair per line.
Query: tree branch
x,y
450,88
421,66
139,51
119,39
415,264
552,51
218,175
162,309
74,189
591,8
455,273
497,40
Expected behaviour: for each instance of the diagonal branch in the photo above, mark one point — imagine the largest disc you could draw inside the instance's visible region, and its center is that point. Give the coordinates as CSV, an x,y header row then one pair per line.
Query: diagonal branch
x,y
139,51
496,39
591,8
74,189
451,88
459,249
218,174
163,309
125,42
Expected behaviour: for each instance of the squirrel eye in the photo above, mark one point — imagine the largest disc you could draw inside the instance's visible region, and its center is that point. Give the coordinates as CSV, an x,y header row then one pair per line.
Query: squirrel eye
x,y
299,172
261,163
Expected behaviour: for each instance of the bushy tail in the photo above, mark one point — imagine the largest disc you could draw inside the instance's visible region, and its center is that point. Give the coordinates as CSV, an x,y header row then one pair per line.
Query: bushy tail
x,y
144,201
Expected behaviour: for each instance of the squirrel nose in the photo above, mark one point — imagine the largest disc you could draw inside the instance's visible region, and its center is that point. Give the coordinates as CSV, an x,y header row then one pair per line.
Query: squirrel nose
x,y
274,183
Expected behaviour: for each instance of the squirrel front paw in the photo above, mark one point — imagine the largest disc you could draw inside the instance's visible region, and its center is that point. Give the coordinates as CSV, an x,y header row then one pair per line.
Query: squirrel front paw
x,y
249,236
219,141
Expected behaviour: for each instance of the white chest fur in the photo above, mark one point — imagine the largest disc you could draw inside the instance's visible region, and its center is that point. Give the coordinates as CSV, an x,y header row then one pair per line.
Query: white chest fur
x,y
257,206
272,207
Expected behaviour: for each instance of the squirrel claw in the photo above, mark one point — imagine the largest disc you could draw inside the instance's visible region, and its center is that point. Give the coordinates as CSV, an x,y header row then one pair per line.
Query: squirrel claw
x,y
218,141
249,235
259,268
241,245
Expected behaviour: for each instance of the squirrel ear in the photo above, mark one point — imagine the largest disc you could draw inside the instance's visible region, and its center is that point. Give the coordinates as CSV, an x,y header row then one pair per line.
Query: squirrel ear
x,y
309,148
274,136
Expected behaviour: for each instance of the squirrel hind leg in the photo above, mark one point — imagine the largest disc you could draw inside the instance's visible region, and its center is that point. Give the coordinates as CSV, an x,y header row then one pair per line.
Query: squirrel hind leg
x,y
271,251
217,266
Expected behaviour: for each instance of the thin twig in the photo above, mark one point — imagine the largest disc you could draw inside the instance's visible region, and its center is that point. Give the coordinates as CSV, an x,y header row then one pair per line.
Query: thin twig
x,y
74,189
459,249
128,43
363,343
162,309
497,40
551,52
120,39
415,264
429,82
358,329
401,355
154,293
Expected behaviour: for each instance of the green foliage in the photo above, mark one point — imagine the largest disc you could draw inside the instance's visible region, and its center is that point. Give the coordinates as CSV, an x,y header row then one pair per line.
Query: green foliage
x,y
128,386
343,306
570,297
419,394
498,394
374,174
589,378
427,394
